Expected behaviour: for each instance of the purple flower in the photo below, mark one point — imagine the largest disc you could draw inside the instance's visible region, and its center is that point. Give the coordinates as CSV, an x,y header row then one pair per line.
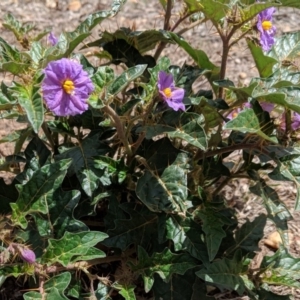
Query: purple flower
x,y
266,28
28,255
167,90
66,87
52,39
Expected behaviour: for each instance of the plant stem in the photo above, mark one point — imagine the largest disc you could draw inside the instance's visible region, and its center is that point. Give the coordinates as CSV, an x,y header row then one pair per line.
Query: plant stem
x,y
119,127
48,135
162,45
202,155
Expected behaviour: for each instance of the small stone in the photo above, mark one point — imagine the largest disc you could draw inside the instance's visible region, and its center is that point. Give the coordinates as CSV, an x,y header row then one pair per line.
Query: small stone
x,y
243,75
51,3
274,240
237,61
74,5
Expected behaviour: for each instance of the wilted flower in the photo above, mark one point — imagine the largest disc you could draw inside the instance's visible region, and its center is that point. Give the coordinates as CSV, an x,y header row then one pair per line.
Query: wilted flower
x,y
52,39
266,106
295,125
28,255
167,90
66,87
266,28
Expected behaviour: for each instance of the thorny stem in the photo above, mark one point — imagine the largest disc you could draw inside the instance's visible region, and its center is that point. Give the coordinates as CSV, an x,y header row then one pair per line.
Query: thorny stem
x,y
119,127
202,155
162,45
181,19
194,24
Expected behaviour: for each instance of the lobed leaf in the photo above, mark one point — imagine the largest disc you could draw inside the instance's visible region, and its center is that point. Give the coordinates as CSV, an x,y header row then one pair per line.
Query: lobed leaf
x,y
35,194
225,273
165,264
167,192
72,245
31,101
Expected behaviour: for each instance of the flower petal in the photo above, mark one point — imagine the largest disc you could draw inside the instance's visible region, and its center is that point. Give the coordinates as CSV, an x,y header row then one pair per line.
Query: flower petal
x,y
60,101
165,80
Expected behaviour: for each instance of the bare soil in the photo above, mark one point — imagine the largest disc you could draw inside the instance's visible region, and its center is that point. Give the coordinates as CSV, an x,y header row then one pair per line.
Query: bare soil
x,y
65,15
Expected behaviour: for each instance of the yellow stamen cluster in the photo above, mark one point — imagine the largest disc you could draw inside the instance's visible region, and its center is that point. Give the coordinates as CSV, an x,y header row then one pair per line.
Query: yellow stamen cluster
x,y
68,86
167,92
266,25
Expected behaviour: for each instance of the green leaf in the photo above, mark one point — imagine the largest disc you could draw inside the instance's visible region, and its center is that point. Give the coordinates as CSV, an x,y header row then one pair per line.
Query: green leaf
x,y
249,234
60,126
186,235
189,130
125,78
54,288
284,268
277,210
208,7
137,42
102,292
36,145
247,121
199,56
35,295
19,29
160,154
286,47
6,103
94,19
290,3
267,295
187,286
66,249
127,291
35,194
165,264
138,229
264,63
225,273
12,60
83,161
30,99
213,228
167,193
251,11
115,170
101,78
288,171
61,210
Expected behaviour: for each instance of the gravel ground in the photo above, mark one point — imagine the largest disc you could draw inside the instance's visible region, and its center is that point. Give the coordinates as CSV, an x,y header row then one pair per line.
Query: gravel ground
x,y
64,15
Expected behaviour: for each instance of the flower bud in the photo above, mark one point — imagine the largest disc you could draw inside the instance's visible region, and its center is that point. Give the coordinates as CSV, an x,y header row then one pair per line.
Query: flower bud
x,y
28,255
